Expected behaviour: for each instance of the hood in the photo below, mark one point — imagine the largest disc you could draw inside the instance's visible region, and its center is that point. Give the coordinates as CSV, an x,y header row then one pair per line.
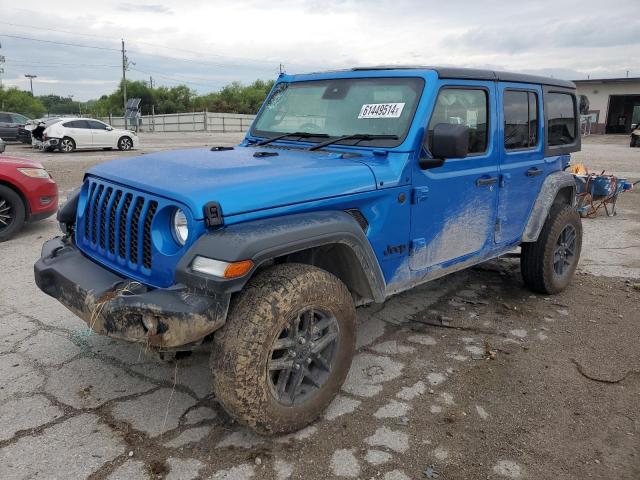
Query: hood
x,y
6,161
238,180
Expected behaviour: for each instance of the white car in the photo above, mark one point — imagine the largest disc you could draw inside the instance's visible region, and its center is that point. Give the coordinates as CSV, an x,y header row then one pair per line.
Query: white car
x,y
69,134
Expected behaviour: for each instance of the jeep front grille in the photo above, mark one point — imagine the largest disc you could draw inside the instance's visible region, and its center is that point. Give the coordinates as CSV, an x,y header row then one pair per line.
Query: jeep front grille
x,y
112,226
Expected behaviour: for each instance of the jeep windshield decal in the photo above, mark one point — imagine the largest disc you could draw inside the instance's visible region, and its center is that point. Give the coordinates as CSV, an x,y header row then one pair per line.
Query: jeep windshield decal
x,y
369,112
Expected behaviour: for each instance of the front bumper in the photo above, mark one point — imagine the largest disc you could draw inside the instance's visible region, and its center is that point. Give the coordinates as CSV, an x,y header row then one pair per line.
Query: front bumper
x,y
126,309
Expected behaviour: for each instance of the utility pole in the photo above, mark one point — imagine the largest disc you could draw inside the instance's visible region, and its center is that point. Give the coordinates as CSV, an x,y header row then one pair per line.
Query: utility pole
x,y
150,81
31,77
281,69
124,84
2,59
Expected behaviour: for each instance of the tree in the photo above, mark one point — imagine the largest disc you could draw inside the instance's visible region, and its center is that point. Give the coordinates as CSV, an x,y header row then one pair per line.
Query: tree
x,y
14,100
57,105
234,98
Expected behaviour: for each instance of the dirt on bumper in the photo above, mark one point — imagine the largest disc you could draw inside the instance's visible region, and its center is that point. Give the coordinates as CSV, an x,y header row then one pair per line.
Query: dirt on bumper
x,y
125,309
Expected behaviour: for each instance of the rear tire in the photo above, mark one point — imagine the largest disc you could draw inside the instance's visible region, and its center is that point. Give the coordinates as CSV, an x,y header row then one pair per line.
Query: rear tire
x,y
12,213
635,141
286,348
67,145
549,263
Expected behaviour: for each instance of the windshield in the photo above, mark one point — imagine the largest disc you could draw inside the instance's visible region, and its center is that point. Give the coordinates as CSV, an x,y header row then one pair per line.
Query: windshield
x,y
341,107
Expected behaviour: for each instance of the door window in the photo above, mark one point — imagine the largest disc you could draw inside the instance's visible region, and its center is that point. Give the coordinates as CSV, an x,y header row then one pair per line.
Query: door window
x,y
463,106
95,125
561,118
5,118
520,119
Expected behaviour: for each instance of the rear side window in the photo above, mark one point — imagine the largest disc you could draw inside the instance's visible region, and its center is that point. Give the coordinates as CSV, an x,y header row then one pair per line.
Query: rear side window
x,y
561,120
77,124
5,118
520,119
463,106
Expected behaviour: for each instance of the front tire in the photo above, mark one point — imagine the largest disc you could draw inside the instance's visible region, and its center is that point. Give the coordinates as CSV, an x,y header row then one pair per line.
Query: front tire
x,y
548,264
12,213
635,141
125,143
67,145
286,348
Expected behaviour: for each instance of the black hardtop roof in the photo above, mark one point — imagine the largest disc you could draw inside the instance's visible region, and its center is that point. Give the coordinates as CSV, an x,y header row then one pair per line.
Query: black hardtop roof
x,y
478,74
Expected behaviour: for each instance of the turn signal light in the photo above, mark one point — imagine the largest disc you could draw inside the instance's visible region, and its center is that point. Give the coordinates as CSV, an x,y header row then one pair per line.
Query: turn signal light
x,y
238,269
220,269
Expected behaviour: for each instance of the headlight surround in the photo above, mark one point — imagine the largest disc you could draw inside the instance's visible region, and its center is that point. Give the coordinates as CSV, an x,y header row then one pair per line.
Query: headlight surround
x,y
180,226
34,172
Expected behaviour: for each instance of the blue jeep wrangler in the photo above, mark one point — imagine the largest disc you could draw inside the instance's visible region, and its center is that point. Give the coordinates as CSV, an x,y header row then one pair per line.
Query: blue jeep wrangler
x,y
350,187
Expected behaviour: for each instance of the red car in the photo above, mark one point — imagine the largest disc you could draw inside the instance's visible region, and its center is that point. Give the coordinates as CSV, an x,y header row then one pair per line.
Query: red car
x,y
27,194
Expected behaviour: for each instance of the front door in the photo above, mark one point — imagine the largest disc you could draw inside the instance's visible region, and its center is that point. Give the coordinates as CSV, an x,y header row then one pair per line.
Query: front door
x,y
454,206
8,130
522,166
100,136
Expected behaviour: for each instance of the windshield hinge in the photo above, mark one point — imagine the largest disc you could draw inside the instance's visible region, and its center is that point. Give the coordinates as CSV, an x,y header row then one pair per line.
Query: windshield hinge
x,y
419,194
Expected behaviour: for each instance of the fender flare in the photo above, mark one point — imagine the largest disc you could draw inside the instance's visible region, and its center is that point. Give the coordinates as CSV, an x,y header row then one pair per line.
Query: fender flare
x,y
554,182
265,239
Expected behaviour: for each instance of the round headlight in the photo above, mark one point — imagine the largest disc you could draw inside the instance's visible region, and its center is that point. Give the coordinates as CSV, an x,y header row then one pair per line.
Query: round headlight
x,y
180,226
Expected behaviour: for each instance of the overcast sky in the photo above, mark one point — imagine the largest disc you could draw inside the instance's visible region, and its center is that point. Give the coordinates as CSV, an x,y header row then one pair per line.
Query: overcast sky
x,y
209,43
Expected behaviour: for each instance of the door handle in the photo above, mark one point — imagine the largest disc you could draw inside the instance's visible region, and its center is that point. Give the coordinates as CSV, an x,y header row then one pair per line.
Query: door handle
x,y
534,172
484,181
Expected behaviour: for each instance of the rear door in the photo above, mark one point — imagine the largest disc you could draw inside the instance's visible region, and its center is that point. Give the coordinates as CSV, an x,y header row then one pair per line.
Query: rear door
x,y
522,166
80,132
454,206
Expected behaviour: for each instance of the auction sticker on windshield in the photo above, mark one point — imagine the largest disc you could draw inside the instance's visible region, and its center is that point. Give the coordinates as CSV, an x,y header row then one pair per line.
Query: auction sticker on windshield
x,y
381,110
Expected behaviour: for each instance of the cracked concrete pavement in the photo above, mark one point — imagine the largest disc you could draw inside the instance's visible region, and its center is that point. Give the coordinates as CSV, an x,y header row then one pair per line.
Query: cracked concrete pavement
x,y
467,377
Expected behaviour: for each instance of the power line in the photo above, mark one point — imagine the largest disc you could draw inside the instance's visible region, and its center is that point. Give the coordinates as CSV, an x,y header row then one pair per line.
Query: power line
x,y
189,60
19,63
179,80
33,27
59,43
140,42
177,77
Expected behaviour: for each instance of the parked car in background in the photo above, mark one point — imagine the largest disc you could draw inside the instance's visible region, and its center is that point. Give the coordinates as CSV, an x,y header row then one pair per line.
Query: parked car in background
x,y
27,194
69,134
9,124
635,137
24,135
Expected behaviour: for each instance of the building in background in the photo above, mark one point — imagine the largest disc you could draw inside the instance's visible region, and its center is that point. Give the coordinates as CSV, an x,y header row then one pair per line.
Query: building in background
x,y
614,103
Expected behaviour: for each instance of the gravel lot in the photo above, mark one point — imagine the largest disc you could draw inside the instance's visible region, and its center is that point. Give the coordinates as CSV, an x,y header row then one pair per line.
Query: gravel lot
x,y
465,378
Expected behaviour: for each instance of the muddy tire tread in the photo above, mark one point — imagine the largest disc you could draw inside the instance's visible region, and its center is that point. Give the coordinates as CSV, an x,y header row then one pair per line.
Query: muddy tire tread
x,y
238,382
536,259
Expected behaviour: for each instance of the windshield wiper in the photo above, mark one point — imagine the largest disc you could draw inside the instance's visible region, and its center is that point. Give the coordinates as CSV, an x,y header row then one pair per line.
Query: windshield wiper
x,y
293,134
355,136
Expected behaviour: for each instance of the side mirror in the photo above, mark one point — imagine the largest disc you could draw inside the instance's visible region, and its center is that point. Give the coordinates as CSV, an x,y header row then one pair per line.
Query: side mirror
x,y
109,128
447,141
